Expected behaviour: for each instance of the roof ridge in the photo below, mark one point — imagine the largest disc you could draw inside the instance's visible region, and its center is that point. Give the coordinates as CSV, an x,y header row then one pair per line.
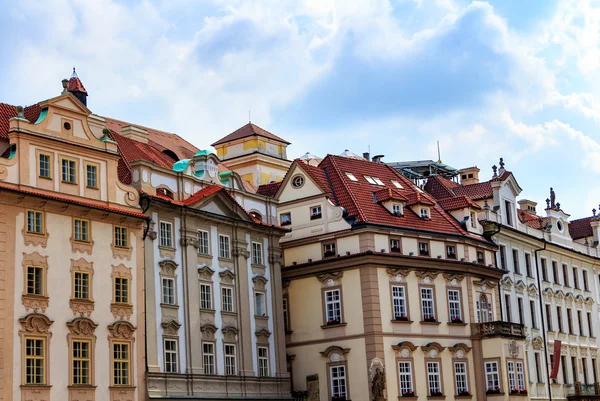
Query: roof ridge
x,y
350,194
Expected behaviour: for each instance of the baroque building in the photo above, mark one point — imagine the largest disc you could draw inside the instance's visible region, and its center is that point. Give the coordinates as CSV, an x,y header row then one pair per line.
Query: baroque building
x,y
550,283
385,294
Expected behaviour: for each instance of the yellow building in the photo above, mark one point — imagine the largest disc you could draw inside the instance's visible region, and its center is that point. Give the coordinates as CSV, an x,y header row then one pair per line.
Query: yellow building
x,y
385,294
71,259
255,154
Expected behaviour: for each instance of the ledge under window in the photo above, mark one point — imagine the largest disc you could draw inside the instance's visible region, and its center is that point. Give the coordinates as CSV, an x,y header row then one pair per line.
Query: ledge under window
x,y
331,326
433,323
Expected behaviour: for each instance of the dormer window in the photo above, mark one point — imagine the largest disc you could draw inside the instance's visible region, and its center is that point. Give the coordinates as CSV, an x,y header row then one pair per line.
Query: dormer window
x,y
256,215
397,209
397,184
480,257
285,219
450,252
473,220
329,249
351,177
164,192
395,245
424,213
315,212
508,209
423,249
370,180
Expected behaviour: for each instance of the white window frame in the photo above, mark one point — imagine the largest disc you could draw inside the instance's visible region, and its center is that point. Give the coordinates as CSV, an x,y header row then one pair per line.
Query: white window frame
x,y
230,360
461,378
399,301
203,242
520,375
370,179
338,383
424,250
397,209
316,212
257,253
424,213
263,361
492,376
206,296
473,220
405,377
454,304
171,356
378,181
397,184
434,382
427,302
208,358
333,305
351,177
166,234
227,300
512,376
168,293
224,246
260,303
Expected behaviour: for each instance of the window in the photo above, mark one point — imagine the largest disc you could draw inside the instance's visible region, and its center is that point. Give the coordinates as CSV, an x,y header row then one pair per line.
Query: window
x,y
121,364
473,220
516,267
427,307
227,299
208,356
35,361
584,368
585,280
168,291
166,234
460,378
224,246
423,249
594,371
35,280
286,315
260,303
548,318
454,306
338,381
370,180
397,184
450,252
203,244
329,249
82,285
121,239
378,182
333,306
81,230
507,306
570,321
45,166
285,219
263,361
565,275
516,376
91,176
257,255
171,365
395,245
575,278
528,265
520,306
579,321
544,270
35,222
480,257
590,325
433,378
502,252
563,365
298,181
559,318
69,171
405,376
230,360
424,213
121,290
397,209
315,212
508,209
532,312
351,177
574,369
555,272
399,302
205,296
492,378
81,362
484,309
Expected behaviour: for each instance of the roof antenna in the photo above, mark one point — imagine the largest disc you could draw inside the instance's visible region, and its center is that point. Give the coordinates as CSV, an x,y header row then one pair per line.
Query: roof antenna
x,y
439,157
249,119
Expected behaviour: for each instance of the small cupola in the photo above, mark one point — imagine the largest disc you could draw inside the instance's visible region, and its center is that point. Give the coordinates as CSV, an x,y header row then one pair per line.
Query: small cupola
x,y
75,86
527,205
469,175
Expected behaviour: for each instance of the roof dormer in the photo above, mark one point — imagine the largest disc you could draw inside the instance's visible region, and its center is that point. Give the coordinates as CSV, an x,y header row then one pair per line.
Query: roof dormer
x,y
392,200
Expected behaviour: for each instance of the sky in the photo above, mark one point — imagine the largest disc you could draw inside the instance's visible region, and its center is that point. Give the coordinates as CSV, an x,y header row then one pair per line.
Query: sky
x,y
487,79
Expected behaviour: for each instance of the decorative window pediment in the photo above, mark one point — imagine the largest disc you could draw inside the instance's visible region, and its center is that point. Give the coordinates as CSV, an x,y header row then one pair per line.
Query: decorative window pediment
x,y
35,323
335,276
230,333
227,277
398,275
170,327
559,295
262,336
404,349
532,290
485,284
82,326
453,279
260,282
335,353
548,293
208,331
520,287
205,273
459,350
167,267
537,343
506,283
432,349
426,277
121,330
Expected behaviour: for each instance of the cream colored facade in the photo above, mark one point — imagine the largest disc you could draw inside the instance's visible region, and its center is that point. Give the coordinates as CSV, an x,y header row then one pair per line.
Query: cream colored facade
x,y
213,285
64,326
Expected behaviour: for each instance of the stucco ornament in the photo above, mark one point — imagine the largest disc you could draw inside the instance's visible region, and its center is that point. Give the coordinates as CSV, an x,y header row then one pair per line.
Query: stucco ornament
x,y
330,283
427,280
335,357
378,385
433,353
513,349
484,287
405,353
454,282
460,354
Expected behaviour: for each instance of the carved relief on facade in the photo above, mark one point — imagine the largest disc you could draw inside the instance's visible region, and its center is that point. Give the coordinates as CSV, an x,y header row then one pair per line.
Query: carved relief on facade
x,y
35,323
122,394
168,267
548,294
166,253
559,295
335,353
404,349
82,327
208,331
227,277
35,239
537,343
262,336
453,279
459,351
230,333
205,273
506,283
275,255
330,279
190,241
121,253
260,283
432,350
426,277
121,330
520,287
170,328
398,275
35,302
532,291
485,284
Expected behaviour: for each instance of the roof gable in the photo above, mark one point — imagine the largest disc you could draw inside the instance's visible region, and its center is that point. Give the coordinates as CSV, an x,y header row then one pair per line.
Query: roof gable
x,y
249,130
313,182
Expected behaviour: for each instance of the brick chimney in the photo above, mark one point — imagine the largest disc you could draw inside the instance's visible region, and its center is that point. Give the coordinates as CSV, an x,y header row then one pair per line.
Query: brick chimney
x,y
135,133
469,175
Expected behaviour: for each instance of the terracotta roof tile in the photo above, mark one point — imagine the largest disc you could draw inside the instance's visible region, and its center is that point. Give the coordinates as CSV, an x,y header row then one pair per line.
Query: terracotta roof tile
x,y
247,131
7,112
269,189
532,220
459,202
581,228
317,175
386,194
75,85
440,187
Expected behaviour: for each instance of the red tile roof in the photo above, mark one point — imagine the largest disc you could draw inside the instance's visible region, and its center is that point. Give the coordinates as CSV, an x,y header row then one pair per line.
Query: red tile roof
x,y
581,228
386,194
249,130
75,85
441,188
459,202
317,174
269,189
7,112
531,219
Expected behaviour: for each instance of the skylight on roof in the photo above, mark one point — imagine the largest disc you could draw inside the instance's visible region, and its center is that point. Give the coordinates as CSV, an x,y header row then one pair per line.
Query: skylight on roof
x,y
351,177
397,184
379,182
370,180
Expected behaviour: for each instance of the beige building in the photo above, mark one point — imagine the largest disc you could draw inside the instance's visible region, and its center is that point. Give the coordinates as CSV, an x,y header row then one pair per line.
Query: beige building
x,y
386,295
71,260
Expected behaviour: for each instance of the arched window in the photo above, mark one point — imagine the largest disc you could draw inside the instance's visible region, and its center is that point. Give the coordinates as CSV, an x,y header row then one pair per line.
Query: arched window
x,y
164,192
256,215
171,154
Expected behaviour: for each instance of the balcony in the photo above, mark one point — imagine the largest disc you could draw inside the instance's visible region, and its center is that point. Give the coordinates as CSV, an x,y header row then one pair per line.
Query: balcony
x,y
583,392
498,329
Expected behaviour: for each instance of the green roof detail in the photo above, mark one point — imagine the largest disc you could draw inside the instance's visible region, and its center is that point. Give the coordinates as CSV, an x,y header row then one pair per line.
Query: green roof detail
x,y
42,116
204,152
181,165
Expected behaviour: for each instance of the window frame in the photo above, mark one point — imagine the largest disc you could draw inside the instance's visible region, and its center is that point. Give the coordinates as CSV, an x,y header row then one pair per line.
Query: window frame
x,y
42,221
497,373
460,319
225,288
121,237
332,248
285,302
224,246
326,320
464,362
263,295
438,362
50,165
228,357
424,213
75,170
316,215
264,370
399,248
427,247
403,298
206,303
42,283
89,285
165,237
434,318
410,375
331,387
528,272
164,296
121,360
201,244
516,264
285,221
87,175
82,223
449,254
207,355
257,253
43,358
117,298
174,353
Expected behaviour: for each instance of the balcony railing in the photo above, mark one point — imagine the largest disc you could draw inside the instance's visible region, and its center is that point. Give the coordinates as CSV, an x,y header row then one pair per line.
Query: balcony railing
x,y
498,329
579,391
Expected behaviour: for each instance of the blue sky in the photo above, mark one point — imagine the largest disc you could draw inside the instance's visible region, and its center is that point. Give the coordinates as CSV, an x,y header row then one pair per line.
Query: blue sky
x,y
512,79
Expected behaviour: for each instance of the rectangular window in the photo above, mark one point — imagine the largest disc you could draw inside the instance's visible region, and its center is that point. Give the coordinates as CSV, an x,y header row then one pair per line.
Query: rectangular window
x,y
473,220
532,313
91,176
520,306
544,270
171,365
370,180
227,299
590,325
286,315
121,290
397,184
538,367
427,306
423,249
480,257
405,377
433,378
35,280
351,177
528,265
460,378
263,361
563,364
512,376
35,222
570,321
257,254
424,213
333,306
285,219
205,296
69,171
81,229
574,369
585,280
315,212
121,359
208,356
168,291
594,371
502,251
224,246
575,278
203,244
166,234
565,275
555,272
508,209
35,361
559,319
82,285
515,255
397,209
520,376
121,239
260,304
548,318
399,302
507,306
338,381
454,306
230,360
395,245
492,377
81,362
584,368
450,252
329,249
45,166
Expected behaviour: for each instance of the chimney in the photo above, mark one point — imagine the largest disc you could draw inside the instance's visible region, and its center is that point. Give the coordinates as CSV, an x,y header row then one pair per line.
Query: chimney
x,y
367,156
527,205
135,133
377,159
76,88
469,175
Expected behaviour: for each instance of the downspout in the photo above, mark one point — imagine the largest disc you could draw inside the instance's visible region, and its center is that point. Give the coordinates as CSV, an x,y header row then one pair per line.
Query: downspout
x,y
186,292
541,301
148,219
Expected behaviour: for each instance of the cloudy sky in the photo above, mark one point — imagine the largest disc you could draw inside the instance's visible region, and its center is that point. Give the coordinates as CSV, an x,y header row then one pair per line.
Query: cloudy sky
x,y
507,78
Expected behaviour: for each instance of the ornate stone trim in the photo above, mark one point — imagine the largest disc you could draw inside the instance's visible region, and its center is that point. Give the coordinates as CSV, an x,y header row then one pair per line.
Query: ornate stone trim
x,y
167,253
537,343
230,333
35,303
208,331
459,350
330,276
532,290
262,336
121,253
81,246
227,277
35,239
520,287
485,284
35,323
82,326
205,273
426,277
335,349
121,330
275,255
559,295
548,293
260,283
168,267
170,328
450,277
121,311
433,345
506,283
81,307
398,275
121,271
404,349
